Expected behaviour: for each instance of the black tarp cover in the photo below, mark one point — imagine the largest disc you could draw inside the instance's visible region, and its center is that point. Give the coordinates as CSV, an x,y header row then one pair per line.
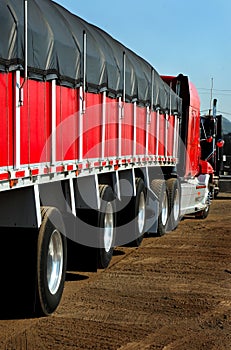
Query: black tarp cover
x,y
55,50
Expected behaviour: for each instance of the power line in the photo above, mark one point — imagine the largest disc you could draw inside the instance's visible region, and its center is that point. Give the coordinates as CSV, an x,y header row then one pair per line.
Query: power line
x,y
224,112
217,94
224,90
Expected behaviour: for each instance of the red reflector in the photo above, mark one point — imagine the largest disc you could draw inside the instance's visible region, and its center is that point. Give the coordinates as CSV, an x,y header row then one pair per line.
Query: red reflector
x,y
4,176
60,169
209,139
220,143
20,174
34,172
70,167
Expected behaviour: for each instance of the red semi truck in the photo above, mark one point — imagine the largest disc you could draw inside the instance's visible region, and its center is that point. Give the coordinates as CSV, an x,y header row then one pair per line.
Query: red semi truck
x,y
96,150
216,148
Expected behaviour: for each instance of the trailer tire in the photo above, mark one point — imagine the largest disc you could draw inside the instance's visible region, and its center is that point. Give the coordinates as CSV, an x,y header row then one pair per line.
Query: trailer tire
x,y
51,261
106,224
158,186
138,204
174,203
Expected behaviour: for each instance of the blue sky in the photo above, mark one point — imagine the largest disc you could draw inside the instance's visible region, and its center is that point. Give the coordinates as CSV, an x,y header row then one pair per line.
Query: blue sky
x,y
175,36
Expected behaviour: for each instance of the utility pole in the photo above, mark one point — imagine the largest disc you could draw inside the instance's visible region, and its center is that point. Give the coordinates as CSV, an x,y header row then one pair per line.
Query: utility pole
x,y
211,97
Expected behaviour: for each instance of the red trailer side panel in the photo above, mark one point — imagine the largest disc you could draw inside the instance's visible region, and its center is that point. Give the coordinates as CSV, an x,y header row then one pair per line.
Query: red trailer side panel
x,y
161,135
141,131
35,117
67,115
171,125
92,126
127,130
152,135
7,112
111,133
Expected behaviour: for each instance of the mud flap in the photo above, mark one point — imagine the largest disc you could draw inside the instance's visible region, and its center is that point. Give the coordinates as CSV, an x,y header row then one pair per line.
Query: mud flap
x,y
80,257
152,210
18,272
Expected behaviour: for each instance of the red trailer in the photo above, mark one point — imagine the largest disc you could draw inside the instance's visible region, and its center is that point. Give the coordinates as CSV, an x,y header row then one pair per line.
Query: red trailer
x,y
96,150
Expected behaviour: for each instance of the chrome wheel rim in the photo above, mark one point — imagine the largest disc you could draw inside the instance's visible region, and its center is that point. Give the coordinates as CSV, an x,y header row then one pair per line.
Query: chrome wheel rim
x,y
55,262
164,214
176,207
141,213
108,227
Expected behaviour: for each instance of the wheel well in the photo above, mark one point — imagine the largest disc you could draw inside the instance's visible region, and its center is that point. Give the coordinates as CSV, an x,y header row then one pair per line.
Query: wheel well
x,y
139,173
106,179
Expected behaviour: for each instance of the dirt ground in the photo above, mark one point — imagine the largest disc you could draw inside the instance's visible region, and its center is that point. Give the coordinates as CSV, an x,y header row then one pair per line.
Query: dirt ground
x,y
172,293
